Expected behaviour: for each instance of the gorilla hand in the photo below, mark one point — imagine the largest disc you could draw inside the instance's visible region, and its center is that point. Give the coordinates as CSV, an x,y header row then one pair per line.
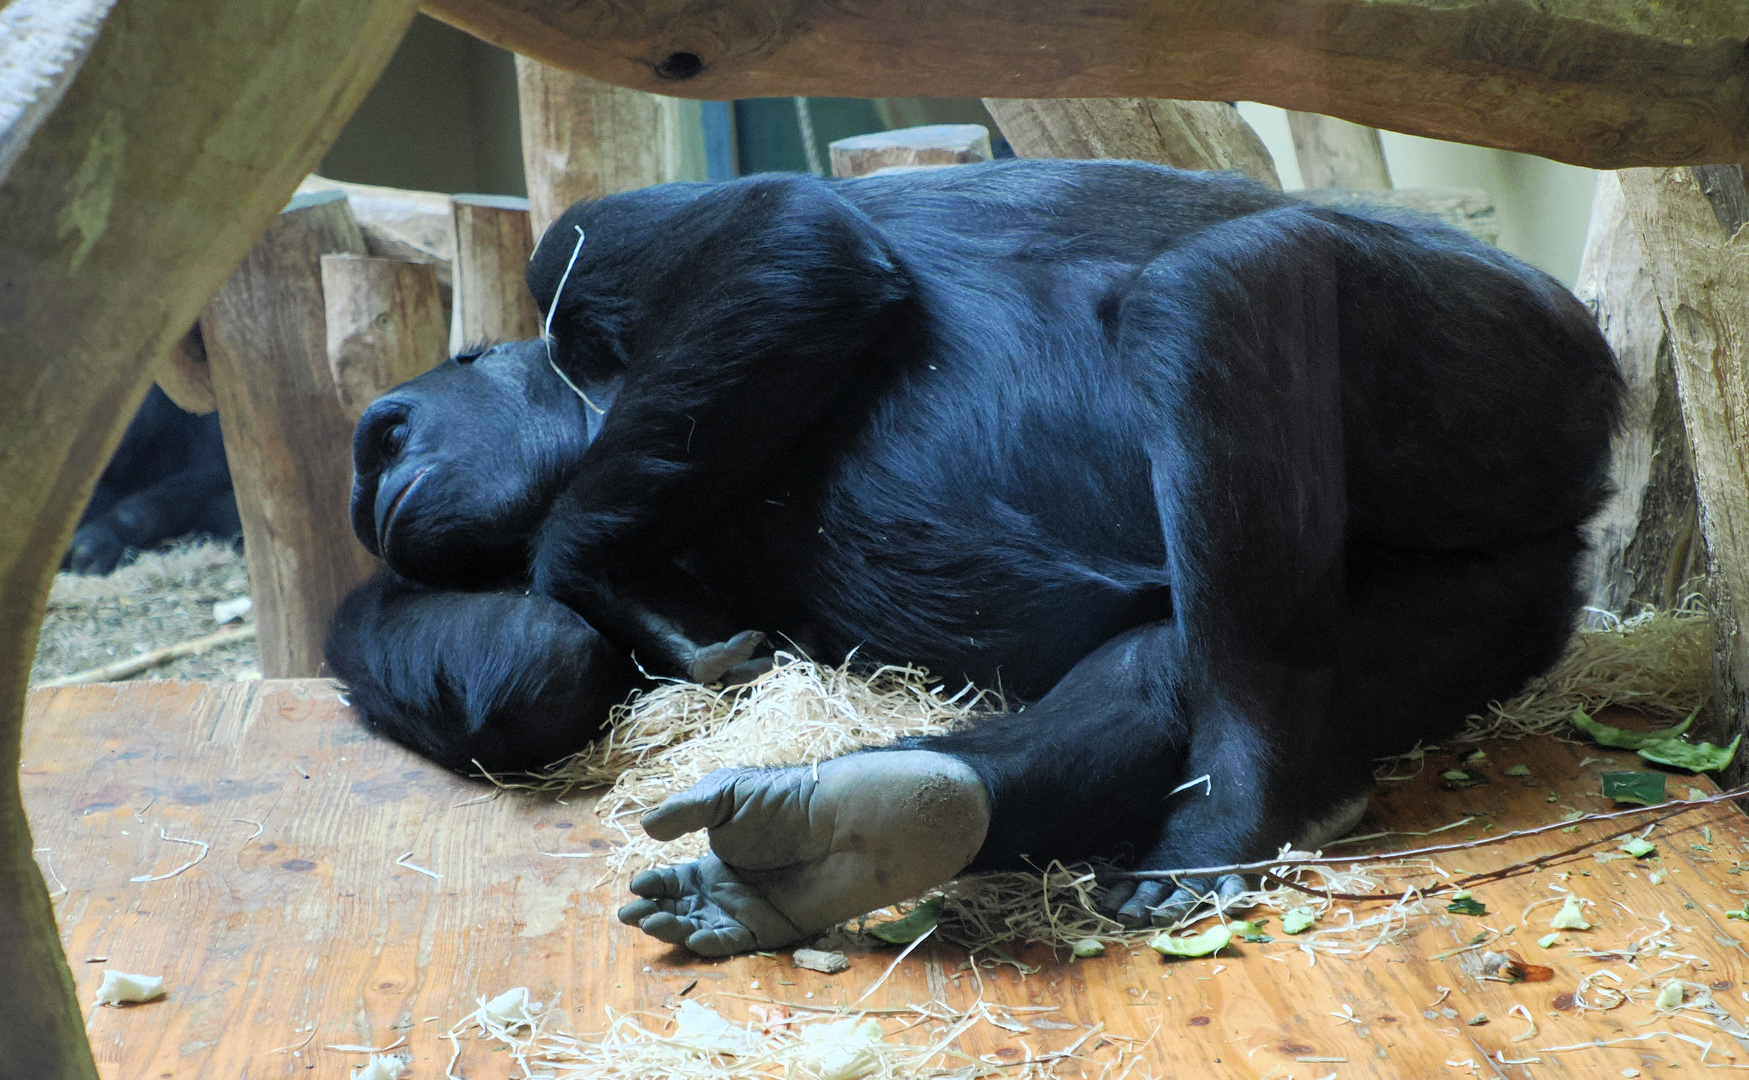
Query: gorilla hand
x,y
799,850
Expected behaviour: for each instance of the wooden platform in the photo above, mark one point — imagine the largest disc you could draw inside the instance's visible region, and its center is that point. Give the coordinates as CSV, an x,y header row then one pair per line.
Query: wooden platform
x,y
298,929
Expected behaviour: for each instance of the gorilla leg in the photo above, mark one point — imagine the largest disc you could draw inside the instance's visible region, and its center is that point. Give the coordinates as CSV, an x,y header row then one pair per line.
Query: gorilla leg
x,y
1230,344
774,305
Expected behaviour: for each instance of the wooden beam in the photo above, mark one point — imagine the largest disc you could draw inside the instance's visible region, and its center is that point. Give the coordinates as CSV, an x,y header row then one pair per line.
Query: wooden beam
x,y
1183,134
582,139
287,438
1646,542
1690,222
913,147
125,206
1334,153
385,325
1662,82
493,243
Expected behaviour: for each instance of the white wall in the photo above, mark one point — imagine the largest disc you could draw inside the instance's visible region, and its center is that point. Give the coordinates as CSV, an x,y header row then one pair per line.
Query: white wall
x,y
1544,206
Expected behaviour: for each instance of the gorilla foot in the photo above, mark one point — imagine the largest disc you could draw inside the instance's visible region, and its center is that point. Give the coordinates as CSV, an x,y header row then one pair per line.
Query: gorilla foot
x,y
797,851
1164,903
709,663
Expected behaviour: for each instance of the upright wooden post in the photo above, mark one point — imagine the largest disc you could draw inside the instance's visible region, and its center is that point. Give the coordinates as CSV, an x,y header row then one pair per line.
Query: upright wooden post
x,y
582,139
1646,542
492,246
385,325
287,438
930,144
1183,134
1690,221
1337,154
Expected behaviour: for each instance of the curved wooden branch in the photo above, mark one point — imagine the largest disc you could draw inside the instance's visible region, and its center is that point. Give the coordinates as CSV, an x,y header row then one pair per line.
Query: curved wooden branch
x,y
1601,84
126,205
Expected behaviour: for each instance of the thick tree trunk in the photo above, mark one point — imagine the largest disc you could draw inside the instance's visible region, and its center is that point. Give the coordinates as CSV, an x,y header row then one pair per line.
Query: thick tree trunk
x,y
1646,543
928,146
287,438
128,195
1334,153
385,325
492,246
1690,222
1183,134
582,139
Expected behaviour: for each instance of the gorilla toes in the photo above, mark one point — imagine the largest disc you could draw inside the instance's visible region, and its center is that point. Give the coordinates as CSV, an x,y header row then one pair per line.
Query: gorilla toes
x,y
95,550
1168,903
710,663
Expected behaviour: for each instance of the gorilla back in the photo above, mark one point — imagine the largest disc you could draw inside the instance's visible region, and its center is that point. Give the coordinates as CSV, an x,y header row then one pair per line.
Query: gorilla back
x,y
1222,483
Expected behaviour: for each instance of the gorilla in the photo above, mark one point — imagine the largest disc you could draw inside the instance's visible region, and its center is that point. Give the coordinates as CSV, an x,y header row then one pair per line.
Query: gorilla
x,y
1226,488
168,478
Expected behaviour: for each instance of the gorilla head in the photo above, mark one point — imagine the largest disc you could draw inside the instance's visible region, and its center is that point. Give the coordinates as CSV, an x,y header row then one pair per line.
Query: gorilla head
x,y
454,470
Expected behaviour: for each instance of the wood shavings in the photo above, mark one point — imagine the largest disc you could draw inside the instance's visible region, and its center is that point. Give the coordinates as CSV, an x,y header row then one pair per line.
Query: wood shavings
x,y
1529,1033
202,844
300,1044
381,1067
49,865
349,1048
119,987
1571,916
827,963
416,868
835,1044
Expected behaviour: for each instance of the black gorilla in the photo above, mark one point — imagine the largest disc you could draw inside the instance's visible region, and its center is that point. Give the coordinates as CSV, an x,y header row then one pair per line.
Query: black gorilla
x,y
1220,482
167,479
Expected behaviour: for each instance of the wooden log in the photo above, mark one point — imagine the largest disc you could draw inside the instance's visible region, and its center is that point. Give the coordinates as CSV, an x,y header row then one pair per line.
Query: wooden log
x,y
582,139
1337,154
385,325
1645,544
125,206
492,301
1469,209
414,226
184,376
288,441
1608,85
932,144
1183,134
1690,222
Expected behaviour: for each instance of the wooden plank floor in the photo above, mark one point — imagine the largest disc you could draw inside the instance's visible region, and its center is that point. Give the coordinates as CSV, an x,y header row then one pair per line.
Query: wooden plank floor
x,y
299,929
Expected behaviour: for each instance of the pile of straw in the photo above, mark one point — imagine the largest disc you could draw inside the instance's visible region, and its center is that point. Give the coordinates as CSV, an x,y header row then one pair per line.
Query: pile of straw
x,y
662,742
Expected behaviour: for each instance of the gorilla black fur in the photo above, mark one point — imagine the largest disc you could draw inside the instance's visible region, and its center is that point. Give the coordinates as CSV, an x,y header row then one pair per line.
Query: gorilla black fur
x,y
1219,482
167,479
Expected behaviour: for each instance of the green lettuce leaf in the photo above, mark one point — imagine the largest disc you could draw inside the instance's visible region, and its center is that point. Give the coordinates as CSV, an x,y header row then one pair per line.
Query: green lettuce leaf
x,y
1627,740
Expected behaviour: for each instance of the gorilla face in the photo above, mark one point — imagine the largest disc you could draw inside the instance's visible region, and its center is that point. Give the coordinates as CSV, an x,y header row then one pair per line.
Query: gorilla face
x,y
454,470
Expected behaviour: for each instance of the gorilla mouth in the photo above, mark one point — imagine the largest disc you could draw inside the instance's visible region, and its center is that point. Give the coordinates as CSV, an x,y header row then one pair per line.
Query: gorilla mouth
x,y
388,521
